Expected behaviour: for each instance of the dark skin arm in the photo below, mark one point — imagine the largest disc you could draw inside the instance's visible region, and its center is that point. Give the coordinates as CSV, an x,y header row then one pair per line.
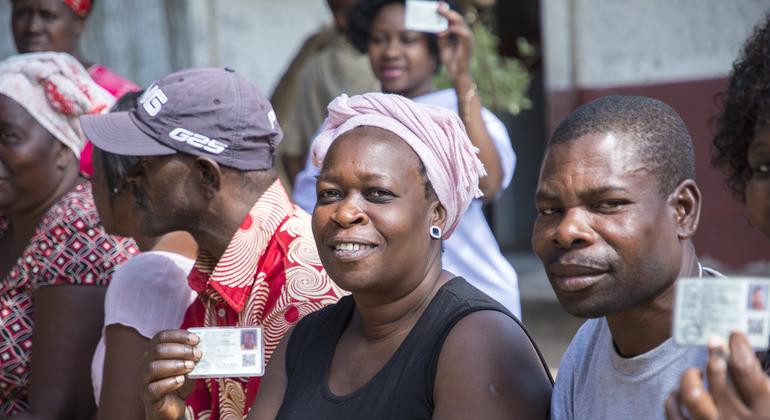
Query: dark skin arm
x,y
170,356
273,384
488,367
738,388
121,393
68,323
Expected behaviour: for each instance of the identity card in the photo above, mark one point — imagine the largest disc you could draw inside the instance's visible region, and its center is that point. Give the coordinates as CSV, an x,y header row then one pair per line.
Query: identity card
x,y
422,16
709,307
229,352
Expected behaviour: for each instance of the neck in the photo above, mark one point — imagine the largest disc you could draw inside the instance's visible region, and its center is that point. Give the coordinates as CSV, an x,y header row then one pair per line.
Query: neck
x,y
145,243
216,228
379,316
646,326
420,90
30,217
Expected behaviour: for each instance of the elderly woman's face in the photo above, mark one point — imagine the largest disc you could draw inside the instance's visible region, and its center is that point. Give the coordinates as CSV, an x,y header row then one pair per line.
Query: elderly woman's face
x,y
31,159
44,25
372,219
758,187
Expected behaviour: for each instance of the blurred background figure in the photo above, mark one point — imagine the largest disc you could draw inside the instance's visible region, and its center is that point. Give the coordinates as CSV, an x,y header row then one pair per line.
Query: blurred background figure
x,y
50,235
325,67
147,294
57,25
405,63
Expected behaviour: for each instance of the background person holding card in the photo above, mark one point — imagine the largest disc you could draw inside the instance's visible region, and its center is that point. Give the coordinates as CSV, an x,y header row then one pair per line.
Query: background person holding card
x,y
405,62
737,386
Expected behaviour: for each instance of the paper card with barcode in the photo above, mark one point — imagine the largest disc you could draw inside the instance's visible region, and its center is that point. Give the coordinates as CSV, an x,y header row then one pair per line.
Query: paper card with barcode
x,y
422,16
709,307
229,352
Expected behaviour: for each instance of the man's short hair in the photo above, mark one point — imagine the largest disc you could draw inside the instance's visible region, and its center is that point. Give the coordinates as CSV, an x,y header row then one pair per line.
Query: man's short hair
x,y
656,130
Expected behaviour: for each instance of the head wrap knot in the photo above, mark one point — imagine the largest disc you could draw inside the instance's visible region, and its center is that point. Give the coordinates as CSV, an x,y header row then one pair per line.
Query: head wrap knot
x,y
436,134
56,90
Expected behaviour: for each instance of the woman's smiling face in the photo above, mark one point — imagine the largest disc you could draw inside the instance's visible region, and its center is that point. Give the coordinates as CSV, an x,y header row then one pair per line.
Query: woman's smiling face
x,y
372,219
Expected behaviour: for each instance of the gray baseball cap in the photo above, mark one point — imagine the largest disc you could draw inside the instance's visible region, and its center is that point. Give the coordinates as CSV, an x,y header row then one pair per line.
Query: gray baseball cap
x,y
202,112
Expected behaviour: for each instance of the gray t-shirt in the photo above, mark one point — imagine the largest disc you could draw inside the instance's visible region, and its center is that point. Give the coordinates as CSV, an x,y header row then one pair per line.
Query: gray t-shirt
x,y
595,382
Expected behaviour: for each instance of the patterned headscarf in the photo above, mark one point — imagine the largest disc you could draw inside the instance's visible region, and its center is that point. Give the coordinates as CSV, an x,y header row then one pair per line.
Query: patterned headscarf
x,y
80,7
56,90
436,134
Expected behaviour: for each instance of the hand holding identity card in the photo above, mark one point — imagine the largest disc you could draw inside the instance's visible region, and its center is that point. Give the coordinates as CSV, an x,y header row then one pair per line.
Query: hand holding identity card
x,y
229,352
422,16
710,307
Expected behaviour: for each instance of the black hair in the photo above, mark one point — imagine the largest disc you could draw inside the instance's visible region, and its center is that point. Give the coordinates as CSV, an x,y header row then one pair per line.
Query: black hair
x,y
361,18
333,6
430,193
116,167
743,109
658,133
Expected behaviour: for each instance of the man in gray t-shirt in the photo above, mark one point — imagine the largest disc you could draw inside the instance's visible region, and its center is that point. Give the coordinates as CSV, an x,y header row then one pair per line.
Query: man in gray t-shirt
x,y
618,208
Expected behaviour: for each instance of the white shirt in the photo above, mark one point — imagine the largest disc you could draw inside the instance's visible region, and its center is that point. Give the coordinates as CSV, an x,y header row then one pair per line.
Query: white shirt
x,y
472,251
148,293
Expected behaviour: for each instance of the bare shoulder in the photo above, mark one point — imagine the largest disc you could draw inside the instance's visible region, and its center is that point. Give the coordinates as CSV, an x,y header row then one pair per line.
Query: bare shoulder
x,y
489,365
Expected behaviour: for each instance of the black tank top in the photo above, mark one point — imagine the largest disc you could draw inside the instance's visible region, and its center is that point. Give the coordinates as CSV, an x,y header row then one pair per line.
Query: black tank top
x,y
403,388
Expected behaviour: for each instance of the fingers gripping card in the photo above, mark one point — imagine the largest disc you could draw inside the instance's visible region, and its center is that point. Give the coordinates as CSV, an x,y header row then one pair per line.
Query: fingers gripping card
x,y
229,352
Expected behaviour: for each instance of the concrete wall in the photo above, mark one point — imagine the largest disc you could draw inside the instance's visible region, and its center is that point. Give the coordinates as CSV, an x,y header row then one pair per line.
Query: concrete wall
x,y
679,51
601,43
145,39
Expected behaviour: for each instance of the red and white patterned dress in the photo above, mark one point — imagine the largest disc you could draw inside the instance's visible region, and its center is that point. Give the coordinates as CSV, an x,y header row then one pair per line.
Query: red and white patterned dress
x,y
269,275
69,246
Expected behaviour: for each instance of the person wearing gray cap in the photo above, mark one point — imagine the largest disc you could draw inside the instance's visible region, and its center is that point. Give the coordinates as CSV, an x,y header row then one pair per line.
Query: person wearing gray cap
x,y
206,141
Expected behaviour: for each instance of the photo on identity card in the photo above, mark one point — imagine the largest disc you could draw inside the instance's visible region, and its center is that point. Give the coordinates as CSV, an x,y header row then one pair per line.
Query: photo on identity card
x,y
229,352
423,16
710,307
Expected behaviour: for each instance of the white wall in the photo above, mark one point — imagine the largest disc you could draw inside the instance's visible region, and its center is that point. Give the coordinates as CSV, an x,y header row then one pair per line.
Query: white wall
x,y
632,42
145,39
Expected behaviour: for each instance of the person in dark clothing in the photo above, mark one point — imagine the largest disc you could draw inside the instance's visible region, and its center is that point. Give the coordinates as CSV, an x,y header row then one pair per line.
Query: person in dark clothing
x,y
413,340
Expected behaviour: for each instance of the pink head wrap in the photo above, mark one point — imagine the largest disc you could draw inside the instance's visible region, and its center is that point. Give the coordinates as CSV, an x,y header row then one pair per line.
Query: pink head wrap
x,y
436,134
56,90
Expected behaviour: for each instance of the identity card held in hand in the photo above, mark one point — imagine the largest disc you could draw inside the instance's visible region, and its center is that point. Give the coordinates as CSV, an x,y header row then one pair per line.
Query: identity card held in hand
x,y
422,16
229,352
709,307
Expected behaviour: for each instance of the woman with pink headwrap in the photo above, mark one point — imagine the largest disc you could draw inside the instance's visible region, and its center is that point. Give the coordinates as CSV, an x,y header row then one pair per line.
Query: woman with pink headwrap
x,y
55,258
405,62
57,25
413,340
